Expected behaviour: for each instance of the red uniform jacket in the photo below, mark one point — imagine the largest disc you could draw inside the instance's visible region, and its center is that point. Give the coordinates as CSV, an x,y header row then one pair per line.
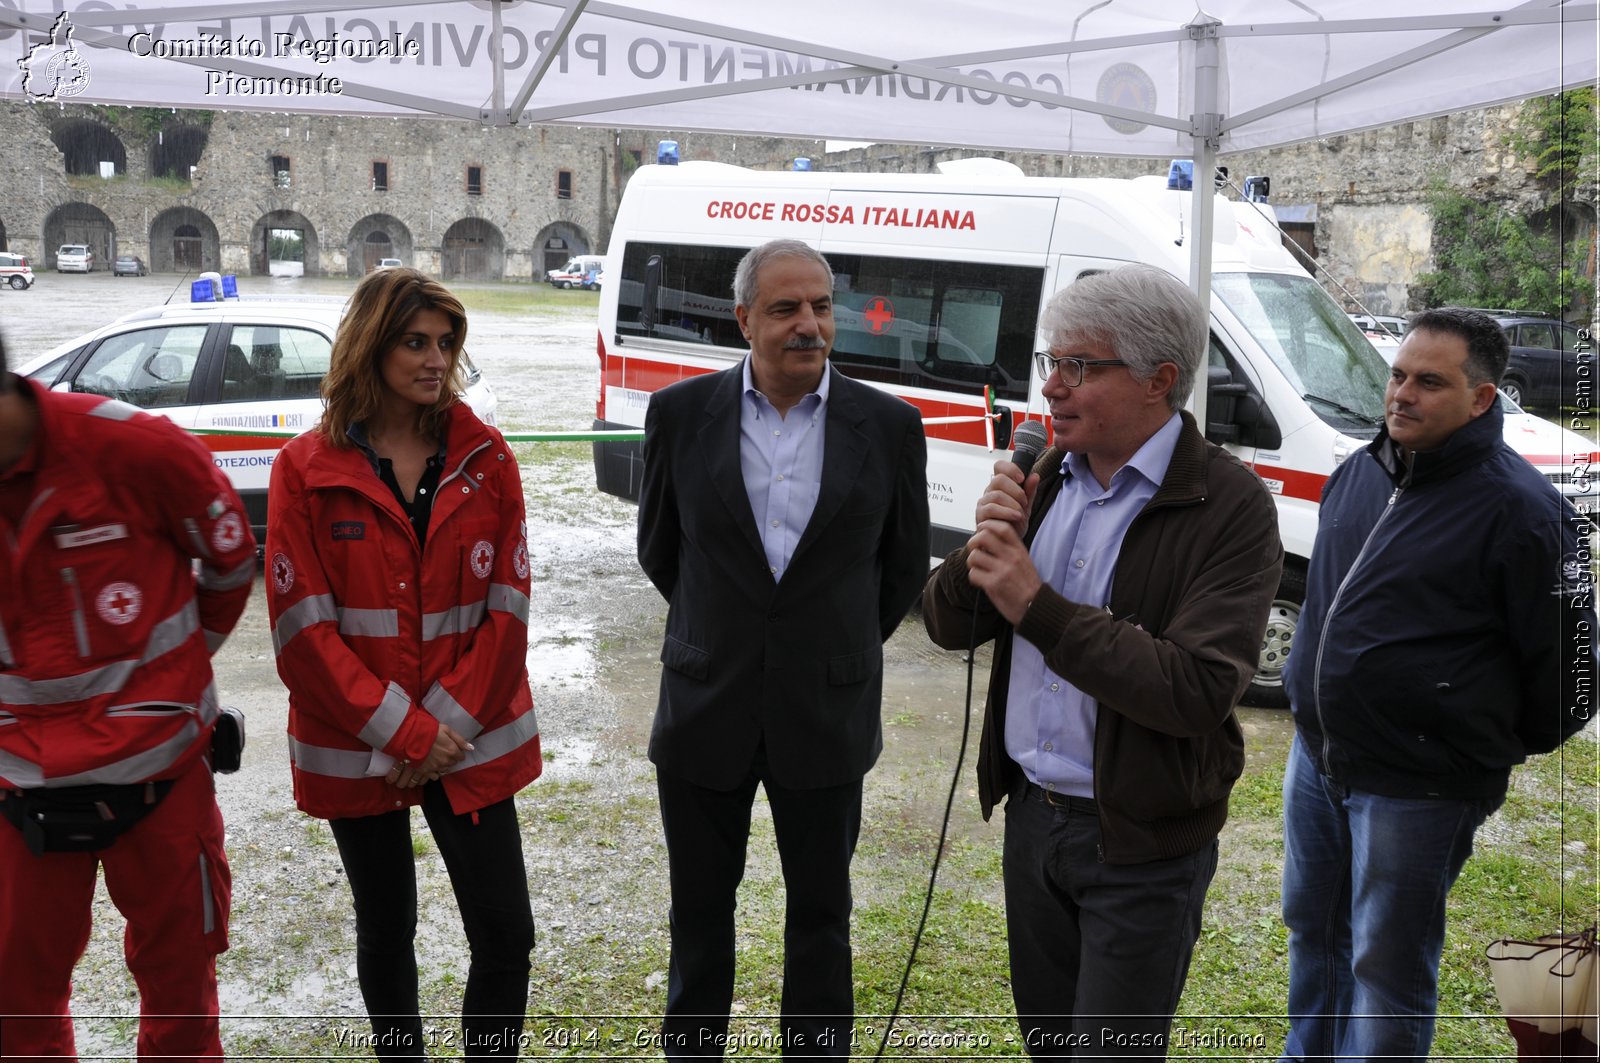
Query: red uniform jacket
x,y
379,640
106,626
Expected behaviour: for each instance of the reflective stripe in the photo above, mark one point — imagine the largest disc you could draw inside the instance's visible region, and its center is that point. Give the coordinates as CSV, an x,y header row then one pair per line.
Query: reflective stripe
x,y
302,614
113,410
214,579
214,640
150,708
5,649
209,920
6,718
386,719
502,740
24,774
338,763
508,599
457,621
447,710
166,636
137,768
369,623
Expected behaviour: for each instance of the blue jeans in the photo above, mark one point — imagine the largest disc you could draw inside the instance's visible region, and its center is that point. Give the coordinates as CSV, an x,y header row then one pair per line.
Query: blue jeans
x,y
1364,884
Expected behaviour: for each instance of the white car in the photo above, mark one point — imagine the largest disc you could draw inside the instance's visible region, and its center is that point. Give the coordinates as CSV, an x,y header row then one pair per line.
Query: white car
x,y
236,365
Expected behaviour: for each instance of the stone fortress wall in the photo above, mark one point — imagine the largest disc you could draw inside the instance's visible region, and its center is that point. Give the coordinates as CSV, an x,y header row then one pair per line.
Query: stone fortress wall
x,y
204,190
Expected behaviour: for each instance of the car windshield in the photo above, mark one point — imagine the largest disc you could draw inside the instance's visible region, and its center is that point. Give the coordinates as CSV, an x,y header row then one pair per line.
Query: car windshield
x,y
1316,346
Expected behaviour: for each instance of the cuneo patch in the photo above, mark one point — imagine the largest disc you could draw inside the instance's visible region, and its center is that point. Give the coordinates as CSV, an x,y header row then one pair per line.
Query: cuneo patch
x,y
349,529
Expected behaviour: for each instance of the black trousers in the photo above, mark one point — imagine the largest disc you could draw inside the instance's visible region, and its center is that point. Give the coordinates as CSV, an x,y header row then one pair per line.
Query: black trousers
x,y
484,859
706,833
1099,952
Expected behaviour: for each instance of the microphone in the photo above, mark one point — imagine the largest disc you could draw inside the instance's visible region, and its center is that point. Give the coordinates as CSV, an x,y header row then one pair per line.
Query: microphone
x,y
1028,438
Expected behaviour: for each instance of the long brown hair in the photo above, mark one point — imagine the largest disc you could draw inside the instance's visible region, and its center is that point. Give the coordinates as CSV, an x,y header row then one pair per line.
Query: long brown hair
x,y
383,305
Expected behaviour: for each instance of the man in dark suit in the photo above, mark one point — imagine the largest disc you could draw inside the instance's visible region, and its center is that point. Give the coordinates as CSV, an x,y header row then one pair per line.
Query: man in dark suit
x,y
784,517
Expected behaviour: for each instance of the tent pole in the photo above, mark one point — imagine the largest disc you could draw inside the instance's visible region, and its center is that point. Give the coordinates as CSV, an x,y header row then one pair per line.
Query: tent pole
x,y
497,61
1207,127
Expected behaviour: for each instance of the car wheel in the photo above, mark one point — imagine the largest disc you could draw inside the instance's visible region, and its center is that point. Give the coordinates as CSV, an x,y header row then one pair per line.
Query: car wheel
x,y
564,285
18,283
1515,390
1266,689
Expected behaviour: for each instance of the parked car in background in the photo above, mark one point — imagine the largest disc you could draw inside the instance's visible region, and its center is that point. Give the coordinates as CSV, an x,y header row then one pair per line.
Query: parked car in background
x,y
1394,326
74,258
129,266
15,271
385,263
1548,360
239,364
581,271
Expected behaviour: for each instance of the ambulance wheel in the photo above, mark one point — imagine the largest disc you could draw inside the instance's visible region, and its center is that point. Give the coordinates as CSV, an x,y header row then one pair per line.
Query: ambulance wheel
x,y
18,283
1266,689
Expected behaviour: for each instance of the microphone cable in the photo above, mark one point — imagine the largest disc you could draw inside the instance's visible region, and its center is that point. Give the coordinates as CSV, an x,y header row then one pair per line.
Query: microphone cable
x,y
1030,441
944,831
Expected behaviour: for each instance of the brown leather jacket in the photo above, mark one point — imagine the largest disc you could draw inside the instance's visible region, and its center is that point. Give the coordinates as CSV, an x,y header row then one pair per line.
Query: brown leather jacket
x,y
1166,663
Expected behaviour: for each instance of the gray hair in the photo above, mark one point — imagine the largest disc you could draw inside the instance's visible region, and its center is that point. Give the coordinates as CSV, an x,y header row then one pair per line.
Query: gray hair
x,y
1143,314
744,278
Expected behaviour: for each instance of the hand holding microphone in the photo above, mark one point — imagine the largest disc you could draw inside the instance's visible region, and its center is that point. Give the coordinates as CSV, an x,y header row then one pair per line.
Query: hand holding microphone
x,y
997,560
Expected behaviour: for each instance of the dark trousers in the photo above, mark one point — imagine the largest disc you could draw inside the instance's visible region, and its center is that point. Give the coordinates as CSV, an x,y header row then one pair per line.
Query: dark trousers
x,y
706,833
484,859
1099,951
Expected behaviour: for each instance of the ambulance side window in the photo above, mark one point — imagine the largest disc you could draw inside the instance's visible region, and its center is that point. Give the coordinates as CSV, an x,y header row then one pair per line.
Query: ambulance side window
x,y
946,326
679,292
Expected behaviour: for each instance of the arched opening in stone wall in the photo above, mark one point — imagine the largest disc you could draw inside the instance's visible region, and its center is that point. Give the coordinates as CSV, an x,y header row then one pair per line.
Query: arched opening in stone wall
x,y
557,243
176,151
375,237
86,145
1572,223
80,223
473,250
284,242
184,240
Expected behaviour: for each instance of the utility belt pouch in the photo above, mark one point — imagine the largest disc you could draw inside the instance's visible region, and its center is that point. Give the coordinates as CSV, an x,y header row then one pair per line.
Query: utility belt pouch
x,y
73,819
227,741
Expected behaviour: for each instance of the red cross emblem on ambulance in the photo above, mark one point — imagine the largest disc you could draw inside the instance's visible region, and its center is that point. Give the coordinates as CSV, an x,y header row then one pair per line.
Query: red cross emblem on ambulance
x,y
878,314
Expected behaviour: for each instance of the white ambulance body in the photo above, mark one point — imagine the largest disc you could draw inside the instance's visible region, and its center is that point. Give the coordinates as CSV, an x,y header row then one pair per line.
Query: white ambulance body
x,y
940,280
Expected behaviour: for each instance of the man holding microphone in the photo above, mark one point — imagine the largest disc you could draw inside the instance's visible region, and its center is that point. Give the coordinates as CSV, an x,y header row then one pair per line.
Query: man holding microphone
x,y
1136,563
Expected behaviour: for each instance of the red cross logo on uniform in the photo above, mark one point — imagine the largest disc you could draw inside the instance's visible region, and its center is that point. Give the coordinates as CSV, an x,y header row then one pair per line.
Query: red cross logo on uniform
x,y
482,558
879,315
118,603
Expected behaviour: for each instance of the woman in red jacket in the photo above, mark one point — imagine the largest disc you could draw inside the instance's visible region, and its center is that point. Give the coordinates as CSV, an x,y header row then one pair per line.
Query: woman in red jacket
x,y
398,595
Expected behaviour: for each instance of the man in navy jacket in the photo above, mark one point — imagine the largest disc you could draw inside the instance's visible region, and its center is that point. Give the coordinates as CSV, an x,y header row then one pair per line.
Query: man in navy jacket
x,y
1447,634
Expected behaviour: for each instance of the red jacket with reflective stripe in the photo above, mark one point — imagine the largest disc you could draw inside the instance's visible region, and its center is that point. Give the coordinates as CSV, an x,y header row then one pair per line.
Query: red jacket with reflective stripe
x,y
378,640
106,627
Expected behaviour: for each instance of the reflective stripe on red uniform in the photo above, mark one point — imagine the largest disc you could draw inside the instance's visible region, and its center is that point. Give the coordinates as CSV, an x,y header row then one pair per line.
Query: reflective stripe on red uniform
x,y
352,598
106,630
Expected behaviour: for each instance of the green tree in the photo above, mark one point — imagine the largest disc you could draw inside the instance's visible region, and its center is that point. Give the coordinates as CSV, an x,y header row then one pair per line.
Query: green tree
x,y
1559,133
1490,256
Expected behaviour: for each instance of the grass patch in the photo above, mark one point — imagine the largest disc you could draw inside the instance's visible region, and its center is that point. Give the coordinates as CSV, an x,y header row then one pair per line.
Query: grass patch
x,y
522,299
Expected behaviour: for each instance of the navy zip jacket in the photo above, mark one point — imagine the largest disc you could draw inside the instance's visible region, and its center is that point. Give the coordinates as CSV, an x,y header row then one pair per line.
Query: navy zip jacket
x,y
1449,622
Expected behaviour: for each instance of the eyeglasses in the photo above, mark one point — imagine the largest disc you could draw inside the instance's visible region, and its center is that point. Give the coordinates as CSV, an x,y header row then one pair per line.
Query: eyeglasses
x,y
1071,369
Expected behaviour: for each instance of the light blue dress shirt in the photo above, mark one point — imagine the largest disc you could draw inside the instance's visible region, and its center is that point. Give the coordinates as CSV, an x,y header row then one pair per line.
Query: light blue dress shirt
x,y
781,458
1050,723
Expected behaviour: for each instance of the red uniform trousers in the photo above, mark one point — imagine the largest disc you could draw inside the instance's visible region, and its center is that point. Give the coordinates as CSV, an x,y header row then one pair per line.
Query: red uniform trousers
x,y
169,878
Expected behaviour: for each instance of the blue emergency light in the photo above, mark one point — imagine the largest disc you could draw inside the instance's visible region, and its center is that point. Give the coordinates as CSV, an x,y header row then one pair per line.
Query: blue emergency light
x,y
667,153
802,163
202,291
230,286
1180,175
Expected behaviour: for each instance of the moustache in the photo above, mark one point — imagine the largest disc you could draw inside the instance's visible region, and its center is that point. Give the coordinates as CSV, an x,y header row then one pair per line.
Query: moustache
x,y
805,343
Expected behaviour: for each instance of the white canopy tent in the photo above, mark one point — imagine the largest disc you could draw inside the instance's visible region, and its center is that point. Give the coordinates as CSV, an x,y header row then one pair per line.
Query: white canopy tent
x,y
1151,78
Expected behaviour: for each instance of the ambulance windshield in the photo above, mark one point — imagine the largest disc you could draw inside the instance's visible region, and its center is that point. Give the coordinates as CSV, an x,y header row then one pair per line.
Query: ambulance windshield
x,y
1318,348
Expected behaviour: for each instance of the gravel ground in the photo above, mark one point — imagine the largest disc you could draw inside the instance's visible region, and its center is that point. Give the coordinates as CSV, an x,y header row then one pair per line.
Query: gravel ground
x,y
593,845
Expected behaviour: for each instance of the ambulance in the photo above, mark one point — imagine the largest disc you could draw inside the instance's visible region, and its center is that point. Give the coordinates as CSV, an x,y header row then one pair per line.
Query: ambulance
x,y
939,284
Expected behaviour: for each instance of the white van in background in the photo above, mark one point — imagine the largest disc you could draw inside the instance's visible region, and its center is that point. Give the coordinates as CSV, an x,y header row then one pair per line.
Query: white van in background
x,y
581,271
939,283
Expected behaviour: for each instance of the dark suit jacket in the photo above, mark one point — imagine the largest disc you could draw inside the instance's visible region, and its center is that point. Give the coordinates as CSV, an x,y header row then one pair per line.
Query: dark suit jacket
x,y
797,663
